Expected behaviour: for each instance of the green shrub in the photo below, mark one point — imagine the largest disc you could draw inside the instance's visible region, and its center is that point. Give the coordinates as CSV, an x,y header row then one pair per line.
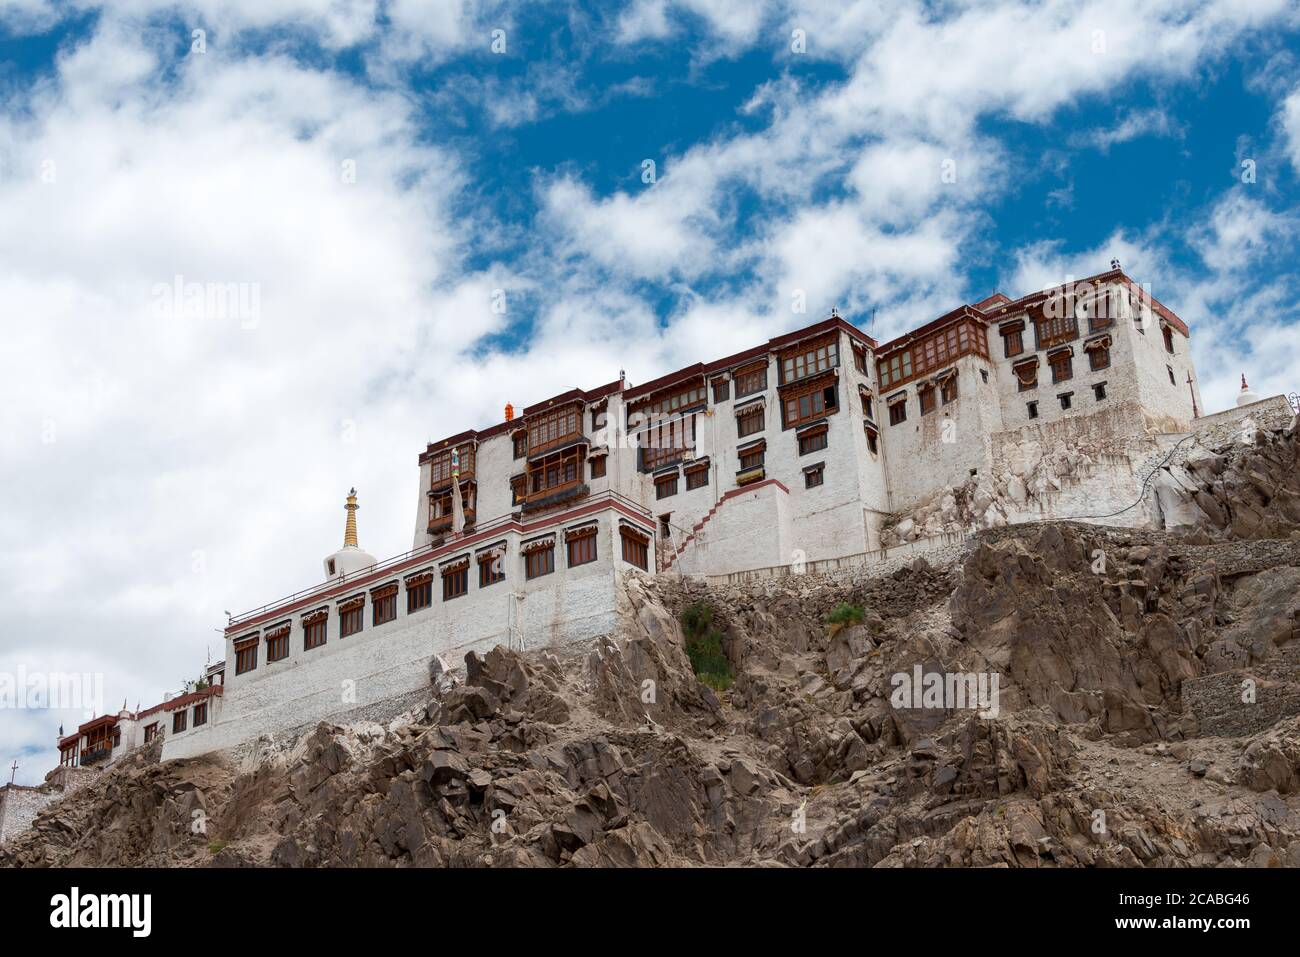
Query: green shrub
x,y
846,614
216,846
704,647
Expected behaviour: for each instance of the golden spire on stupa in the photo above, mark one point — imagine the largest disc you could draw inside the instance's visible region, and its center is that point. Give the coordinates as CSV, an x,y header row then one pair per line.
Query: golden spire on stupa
x,y
350,532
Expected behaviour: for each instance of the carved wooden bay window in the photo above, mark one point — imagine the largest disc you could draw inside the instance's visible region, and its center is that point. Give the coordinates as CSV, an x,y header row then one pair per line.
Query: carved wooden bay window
x,y
314,624
665,440
383,604
277,643
548,429
491,565
419,591
245,654
352,615
539,557
810,400
581,544
809,358
636,546
455,578
941,348
555,474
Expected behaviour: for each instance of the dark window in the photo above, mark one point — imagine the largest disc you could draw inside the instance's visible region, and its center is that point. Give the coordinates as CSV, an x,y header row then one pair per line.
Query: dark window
x,y
948,392
636,550
721,390
351,622
277,648
419,596
860,359
926,393
1066,398
665,487
1062,366
521,445
1099,358
1026,377
1013,343
518,489
813,477
897,413
246,659
455,583
984,375
752,459
598,467
178,722
1172,380
873,441
313,633
697,478
200,713
491,569
1033,409
868,407
750,421
1058,329
1169,339
385,608
812,443
539,562
1099,391
582,550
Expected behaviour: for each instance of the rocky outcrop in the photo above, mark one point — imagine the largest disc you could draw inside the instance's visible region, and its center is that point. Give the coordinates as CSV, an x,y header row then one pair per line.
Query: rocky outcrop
x,y
1062,695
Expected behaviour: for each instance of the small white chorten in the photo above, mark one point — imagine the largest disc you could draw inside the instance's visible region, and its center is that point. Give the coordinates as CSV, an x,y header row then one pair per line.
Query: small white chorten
x,y
1245,396
351,558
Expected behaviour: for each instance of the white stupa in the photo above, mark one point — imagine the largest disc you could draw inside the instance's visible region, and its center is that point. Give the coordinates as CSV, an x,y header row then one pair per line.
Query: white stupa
x,y
1245,396
351,558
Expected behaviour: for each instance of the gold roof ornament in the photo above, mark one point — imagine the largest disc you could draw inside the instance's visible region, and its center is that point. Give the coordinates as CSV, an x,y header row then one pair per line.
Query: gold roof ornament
x,y
350,532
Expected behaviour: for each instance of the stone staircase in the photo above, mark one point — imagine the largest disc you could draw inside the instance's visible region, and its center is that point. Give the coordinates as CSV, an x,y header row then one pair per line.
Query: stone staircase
x,y
691,536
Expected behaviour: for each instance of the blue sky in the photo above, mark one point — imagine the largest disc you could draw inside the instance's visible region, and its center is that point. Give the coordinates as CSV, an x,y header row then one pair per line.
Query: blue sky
x,y
499,242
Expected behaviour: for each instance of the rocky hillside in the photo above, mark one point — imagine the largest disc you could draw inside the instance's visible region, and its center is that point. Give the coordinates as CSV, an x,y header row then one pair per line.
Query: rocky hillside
x,y
1145,715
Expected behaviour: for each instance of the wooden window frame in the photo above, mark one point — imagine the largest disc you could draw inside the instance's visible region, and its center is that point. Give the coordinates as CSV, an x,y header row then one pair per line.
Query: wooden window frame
x,y
813,441
597,465
180,720
948,391
581,549
809,359
277,646
814,476
750,380
1061,362
539,562
246,658
927,398
666,486
636,548
455,582
1099,358
520,444
419,595
200,713
697,478
721,390
491,567
552,428
664,441
311,630
1013,343
352,621
1169,339
897,411
795,411
751,421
